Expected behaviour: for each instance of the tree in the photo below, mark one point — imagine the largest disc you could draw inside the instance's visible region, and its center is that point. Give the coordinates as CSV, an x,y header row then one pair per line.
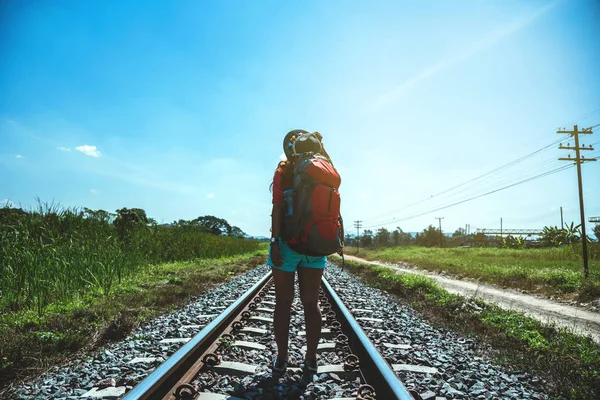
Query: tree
x,y
214,225
189,226
366,239
127,218
573,232
349,240
99,215
396,237
382,238
429,237
131,215
596,231
459,233
553,236
514,242
11,214
459,237
399,237
237,232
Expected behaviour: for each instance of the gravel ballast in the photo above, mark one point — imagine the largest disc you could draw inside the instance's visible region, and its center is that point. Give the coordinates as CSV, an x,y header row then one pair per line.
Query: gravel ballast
x,y
462,372
143,346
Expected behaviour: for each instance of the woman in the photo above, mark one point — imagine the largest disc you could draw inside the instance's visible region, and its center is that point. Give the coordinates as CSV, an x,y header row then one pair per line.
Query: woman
x,y
285,261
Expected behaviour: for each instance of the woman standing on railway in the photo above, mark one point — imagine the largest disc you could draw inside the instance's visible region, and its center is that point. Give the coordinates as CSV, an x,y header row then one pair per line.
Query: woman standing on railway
x,y
291,250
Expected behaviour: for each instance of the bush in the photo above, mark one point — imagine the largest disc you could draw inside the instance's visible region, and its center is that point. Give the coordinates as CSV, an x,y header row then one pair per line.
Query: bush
x,y
55,253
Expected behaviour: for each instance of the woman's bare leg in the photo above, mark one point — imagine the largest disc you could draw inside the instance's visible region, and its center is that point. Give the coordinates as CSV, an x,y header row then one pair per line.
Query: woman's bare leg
x,y
310,281
284,296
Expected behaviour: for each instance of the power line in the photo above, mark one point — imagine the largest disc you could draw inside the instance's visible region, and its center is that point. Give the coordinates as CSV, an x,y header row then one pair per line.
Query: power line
x,y
485,182
490,185
395,220
486,187
586,116
497,181
514,162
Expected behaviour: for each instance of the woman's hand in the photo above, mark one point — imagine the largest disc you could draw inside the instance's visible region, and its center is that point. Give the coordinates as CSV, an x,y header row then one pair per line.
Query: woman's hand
x,y
276,255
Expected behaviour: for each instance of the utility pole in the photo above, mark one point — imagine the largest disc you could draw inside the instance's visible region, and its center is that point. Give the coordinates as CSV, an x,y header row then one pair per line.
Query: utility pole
x,y
357,225
440,220
578,161
500,227
562,224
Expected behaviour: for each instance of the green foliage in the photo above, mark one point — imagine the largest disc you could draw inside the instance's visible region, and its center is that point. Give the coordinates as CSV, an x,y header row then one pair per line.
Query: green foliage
x,y
128,219
570,361
519,327
28,340
382,238
237,232
349,240
555,236
401,238
460,232
555,271
514,242
55,253
366,239
596,231
214,225
431,236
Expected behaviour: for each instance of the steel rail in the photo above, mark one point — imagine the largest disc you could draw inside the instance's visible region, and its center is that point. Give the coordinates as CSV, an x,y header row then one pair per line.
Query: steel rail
x,y
377,372
161,381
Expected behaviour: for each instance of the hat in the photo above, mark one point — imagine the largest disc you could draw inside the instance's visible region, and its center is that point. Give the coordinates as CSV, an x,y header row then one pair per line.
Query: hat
x,y
288,142
308,143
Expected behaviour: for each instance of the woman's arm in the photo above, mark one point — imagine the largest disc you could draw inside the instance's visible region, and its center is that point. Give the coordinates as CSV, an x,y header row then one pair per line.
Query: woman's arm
x,y
276,220
276,223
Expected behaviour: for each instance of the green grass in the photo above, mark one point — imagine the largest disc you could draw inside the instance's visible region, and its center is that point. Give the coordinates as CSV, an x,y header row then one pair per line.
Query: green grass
x,y
570,362
58,254
30,342
556,271
71,280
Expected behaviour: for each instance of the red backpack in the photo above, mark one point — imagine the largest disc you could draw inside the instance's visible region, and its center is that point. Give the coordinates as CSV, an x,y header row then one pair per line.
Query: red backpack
x,y
312,224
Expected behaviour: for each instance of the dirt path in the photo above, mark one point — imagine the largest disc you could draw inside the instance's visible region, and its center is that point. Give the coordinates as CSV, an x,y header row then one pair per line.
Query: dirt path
x,y
541,308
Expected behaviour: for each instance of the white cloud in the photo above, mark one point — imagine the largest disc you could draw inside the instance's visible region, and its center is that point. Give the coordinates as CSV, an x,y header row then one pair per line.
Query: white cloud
x,y
363,195
19,156
210,195
91,151
63,148
6,203
93,191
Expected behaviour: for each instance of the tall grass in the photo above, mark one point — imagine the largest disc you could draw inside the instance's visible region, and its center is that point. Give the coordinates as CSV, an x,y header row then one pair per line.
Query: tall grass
x,y
556,270
54,253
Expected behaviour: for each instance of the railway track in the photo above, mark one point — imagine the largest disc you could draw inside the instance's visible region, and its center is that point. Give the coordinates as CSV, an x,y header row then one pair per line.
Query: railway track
x,y
155,360
245,328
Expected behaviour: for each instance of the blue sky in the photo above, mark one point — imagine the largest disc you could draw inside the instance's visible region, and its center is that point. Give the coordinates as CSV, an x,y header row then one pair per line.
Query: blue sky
x,y
180,107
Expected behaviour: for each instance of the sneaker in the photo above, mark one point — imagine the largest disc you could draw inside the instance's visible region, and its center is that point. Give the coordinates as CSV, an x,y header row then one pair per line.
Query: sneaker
x,y
310,366
279,366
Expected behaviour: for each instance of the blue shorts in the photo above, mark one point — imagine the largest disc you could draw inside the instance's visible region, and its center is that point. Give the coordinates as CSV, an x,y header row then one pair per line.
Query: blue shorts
x,y
292,260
